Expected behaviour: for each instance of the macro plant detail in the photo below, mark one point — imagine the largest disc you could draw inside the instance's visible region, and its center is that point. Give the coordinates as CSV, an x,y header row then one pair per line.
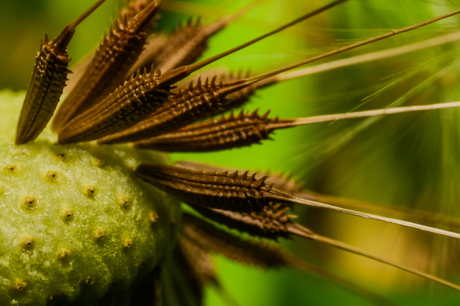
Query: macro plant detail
x,y
147,103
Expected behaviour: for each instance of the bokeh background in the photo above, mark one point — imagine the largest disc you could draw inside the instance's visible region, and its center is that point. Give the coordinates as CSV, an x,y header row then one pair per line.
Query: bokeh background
x,y
408,160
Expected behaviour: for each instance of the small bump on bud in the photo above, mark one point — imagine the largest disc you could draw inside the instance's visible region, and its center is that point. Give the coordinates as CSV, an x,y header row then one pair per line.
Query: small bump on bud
x,y
98,162
67,215
10,169
65,254
28,242
153,217
124,202
90,191
127,243
29,202
20,285
51,176
89,280
61,156
100,234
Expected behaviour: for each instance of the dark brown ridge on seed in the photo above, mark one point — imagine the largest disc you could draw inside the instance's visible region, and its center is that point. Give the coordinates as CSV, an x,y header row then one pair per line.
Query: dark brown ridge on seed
x,y
132,8
208,236
195,102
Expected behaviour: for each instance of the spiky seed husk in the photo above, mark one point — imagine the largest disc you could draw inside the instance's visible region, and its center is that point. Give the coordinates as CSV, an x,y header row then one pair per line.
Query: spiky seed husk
x,y
227,132
47,83
114,57
222,190
216,98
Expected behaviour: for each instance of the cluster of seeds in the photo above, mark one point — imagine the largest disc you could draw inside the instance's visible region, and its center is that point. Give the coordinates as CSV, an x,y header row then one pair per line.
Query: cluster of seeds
x,y
76,218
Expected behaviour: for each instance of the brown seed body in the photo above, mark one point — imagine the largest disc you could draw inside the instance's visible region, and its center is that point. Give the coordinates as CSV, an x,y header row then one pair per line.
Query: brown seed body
x,y
214,135
45,89
234,192
47,83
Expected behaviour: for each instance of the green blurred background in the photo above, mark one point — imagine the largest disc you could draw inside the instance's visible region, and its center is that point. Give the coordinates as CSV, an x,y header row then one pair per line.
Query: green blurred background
x,y
403,160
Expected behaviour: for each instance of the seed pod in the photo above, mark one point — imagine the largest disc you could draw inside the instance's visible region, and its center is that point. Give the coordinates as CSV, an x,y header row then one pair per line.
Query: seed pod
x,y
208,236
248,129
47,83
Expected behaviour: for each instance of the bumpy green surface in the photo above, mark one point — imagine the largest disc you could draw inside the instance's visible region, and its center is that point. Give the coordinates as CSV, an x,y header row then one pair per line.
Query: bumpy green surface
x,y
73,219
